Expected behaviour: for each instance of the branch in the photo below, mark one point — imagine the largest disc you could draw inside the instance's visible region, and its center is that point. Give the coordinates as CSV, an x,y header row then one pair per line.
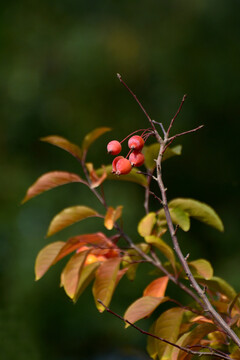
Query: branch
x,y
212,352
178,111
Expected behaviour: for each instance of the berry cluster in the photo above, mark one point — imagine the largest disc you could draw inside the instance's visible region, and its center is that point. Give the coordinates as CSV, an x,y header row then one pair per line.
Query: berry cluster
x,y
123,165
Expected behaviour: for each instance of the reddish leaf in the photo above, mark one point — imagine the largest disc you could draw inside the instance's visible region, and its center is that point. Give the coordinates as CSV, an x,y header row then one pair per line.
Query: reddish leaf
x,y
87,275
74,243
49,181
157,287
95,179
64,144
68,217
45,258
105,282
142,308
111,216
71,273
92,136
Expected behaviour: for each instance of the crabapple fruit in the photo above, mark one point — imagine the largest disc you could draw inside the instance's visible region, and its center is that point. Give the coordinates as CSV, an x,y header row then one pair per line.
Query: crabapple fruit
x,y
136,158
114,147
123,166
115,162
136,142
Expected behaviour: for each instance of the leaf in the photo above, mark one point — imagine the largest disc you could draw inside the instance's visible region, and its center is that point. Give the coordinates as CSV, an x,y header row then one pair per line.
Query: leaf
x,y
49,181
199,211
92,136
157,287
96,239
202,268
45,258
87,275
104,284
95,179
68,217
71,273
64,144
146,224
152,343
111,216
167,326
181,218
163,247
142,308
151,152
133,176
190,339
218,285
132,255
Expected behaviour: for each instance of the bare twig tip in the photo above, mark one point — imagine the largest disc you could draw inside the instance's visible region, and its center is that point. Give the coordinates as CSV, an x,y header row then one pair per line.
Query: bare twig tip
x,y
119,76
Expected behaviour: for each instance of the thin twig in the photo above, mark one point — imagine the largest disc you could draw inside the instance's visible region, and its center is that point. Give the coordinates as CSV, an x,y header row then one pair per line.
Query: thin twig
x,y
186,132
178,111
212,352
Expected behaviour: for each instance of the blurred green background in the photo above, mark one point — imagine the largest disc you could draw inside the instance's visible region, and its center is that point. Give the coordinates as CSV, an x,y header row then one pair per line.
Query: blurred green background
x,y
58,68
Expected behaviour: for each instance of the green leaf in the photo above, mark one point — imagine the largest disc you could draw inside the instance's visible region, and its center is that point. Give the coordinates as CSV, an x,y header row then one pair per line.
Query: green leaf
x,y
218,285
181,218
105,282
68,217
146,224
199,211
190,339
151,152
163,247
142,308
86,276
167,326
46,257
92,136
49,181
71,273
202,267
133,176
64,144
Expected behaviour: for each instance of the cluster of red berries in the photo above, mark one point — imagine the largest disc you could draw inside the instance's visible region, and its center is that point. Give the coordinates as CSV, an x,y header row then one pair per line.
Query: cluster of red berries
x,y
123,165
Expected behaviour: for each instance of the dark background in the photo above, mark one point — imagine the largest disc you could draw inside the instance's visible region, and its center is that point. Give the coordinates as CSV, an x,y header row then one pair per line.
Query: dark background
x,y
58,68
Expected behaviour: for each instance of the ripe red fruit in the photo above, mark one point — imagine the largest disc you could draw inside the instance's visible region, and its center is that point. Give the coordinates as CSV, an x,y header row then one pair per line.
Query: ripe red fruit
x,y
114,163
114,147
123,166
136,142
136,158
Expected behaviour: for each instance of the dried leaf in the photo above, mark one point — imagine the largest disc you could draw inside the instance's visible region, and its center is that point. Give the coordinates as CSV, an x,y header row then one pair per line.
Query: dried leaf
x,y
105,281
49,181
68,217
46,257
157,287
111,216
64,144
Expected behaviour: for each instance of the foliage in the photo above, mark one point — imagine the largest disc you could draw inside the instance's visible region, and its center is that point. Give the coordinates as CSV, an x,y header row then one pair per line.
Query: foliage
x,y
202,327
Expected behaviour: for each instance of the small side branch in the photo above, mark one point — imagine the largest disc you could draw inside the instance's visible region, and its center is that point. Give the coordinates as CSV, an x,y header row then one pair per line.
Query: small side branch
x,y
178,111
212,352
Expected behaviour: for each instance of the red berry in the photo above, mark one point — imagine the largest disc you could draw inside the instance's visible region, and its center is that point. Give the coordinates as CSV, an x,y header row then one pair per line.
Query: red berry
x,y
114,147
114,163
136,142
123,166
136,158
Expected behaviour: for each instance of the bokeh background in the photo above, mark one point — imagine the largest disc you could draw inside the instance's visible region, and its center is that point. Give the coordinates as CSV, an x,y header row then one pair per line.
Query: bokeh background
x,y
58,68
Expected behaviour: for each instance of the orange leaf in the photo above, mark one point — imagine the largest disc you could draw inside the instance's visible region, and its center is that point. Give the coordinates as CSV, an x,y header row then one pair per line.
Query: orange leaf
x,y
111,216
46,257
71,273
95,179
142,308
74,243
157,287
105,282
64,144
68,217
49,181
